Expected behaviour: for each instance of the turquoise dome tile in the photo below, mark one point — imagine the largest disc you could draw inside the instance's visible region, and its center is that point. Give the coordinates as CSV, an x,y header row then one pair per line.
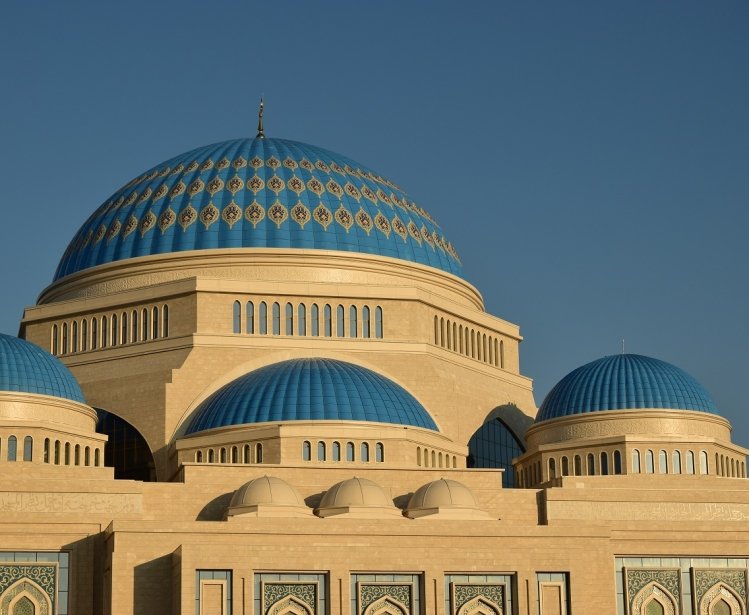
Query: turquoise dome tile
x,y
625,382
259,193
26,368
310,390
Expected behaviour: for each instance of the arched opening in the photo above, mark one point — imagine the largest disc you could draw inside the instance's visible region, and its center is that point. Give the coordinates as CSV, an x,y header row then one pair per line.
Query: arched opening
x,y
55,346
365,324
494,445
676,462
635,461
617,462
328,320
379,452
155,323
64,338
690,462
289,319
126,449
364,456
302,319
84,335
350,452
663,462
28,448
353,321
418,456
604,463
144,324
591,464
134,326
552,468
276,314
306,451
578,465
12,448
124,328
237,318
263,318
336,451
565,466
321,451
449,337
315,318
246,456
94,334
649,462
250,317
340,321
258,453
75,336
379,326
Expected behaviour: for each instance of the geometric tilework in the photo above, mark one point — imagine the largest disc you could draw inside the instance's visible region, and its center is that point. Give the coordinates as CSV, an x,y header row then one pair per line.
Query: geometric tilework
x,y
310,389
623,382
26,368
259,193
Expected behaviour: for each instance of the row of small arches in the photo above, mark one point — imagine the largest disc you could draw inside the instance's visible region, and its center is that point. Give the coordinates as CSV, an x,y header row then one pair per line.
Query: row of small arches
x,y
248,454
645,463
428,458
469,342
57,452
110,330
296,320
338,453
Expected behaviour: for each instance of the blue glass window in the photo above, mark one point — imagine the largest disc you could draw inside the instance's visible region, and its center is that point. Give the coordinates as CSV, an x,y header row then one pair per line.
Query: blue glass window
x,y
493,446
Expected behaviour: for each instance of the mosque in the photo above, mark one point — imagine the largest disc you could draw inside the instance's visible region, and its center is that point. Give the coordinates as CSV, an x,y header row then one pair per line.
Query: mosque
x,y
259,383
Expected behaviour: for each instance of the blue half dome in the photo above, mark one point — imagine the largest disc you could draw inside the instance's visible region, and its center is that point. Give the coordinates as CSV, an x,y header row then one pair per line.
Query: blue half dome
x,y
310,390
259,193
26,368
625,382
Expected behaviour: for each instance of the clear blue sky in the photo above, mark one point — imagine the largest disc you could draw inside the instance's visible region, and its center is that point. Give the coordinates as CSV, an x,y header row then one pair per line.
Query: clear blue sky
x,y
589,160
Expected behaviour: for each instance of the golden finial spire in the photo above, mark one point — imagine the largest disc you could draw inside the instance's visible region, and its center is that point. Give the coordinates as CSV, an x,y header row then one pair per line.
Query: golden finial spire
x,y
260,129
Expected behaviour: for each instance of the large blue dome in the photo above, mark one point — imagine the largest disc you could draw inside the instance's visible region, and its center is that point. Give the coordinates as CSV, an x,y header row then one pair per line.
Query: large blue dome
x,y
259,193
625,382
310,390
26,368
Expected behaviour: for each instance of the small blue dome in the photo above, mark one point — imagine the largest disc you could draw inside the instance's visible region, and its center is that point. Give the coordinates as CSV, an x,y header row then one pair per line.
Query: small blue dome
x,y
26,368
625,382
310,390
259,193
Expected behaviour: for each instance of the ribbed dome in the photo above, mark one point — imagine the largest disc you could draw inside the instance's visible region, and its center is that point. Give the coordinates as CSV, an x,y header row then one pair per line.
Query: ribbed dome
x,y
309,390
268,490
355,492
624,382
259,193
442,493
26,368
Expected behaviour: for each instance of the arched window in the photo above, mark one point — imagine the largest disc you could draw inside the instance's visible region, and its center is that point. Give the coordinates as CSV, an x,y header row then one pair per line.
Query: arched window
x,y
55,347
57,452
87,456
155,322
328,318
350,451
302,326
565,466
455,462
276,318
502,354
365,452
94,333
690,462
426,458
97,457
249,310
455,337
234,454
321,451
289,319
703,462
263,317
144,325
306,451
449,337
46,450
125,329
222,455
115,331
552,468
460,339
478,345
165,312
64,338
434,459
246,454
379,452
104,332
617,462
258,453
418,453
649,462
663,462
315,318
442,332
12,445
379,326
604,463
237,317
211,456
578,465
365,324
496,352
473,344
67,453
676,462
353,321
77,455
75,336
467,344
84,335
491,351
483,355
336,451
134,326
591,464
199,457
340,321
635,461
733,469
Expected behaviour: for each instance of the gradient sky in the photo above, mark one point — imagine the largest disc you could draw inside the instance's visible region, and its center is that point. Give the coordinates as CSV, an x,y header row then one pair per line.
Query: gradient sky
x,y
588,160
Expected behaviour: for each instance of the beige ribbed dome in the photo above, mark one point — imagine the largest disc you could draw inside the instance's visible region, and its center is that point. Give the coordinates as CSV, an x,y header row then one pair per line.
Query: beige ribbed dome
x,y
355,492
266,496
441,493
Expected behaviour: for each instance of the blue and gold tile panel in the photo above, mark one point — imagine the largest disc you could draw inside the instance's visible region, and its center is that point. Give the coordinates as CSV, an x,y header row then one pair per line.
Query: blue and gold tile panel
x,y
258,193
